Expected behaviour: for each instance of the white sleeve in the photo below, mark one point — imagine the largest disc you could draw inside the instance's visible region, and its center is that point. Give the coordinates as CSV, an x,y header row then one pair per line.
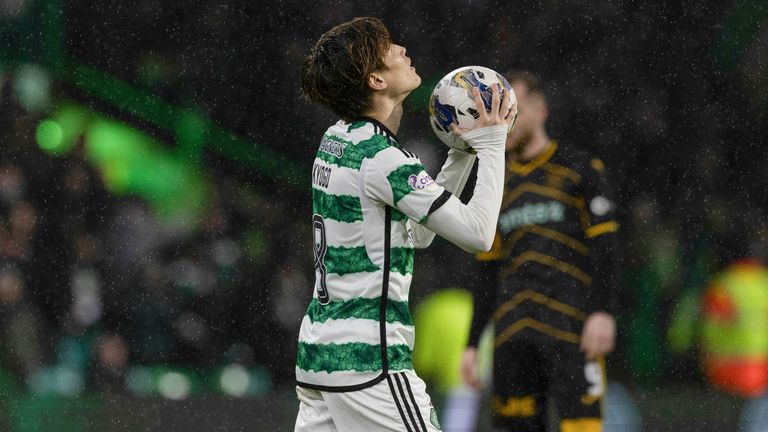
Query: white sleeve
x,y
396,178
453,176
472,227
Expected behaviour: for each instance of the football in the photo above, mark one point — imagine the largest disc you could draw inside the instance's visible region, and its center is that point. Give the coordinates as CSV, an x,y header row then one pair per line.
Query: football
x,y
452,101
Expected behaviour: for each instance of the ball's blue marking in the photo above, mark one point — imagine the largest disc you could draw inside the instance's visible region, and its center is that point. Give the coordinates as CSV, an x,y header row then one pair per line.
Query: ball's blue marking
x,y
445,113
485,91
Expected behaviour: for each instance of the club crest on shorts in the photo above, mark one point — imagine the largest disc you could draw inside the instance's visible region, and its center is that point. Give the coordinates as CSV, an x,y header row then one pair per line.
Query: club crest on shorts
x,y
420,181
433,419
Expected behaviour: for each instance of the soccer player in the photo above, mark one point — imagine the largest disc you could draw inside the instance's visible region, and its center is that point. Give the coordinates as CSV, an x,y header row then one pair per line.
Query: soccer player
x,y
549,284
373,203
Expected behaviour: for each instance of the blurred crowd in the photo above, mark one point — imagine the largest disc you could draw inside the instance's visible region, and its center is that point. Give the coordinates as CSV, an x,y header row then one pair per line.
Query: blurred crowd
x,y
92,283
95,283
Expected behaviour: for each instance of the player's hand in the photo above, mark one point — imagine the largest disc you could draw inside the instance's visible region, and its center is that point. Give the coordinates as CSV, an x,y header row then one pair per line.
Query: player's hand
x,y
598,337
497,115
469,368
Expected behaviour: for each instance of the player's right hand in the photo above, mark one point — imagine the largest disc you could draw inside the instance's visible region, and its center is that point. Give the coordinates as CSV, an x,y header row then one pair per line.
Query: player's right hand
x,y
469,369
598,337
496,116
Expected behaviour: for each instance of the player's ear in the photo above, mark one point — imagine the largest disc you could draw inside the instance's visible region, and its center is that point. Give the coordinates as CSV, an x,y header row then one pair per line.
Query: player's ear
x,y
376,82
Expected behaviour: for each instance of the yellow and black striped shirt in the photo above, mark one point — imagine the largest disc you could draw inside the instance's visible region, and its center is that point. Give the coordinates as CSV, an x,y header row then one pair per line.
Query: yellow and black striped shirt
x,y
554,258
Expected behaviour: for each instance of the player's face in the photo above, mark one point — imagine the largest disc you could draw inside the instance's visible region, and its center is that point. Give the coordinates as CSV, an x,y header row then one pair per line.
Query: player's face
x,y
532,113
400,76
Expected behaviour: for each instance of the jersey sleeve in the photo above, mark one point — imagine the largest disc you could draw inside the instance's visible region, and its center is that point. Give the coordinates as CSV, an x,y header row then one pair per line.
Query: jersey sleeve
x,y
601,236
453,177
397,178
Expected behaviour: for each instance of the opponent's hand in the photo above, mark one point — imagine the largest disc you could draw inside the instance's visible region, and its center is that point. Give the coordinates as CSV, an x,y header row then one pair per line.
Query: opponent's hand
x,y
497,115
598,337
469,368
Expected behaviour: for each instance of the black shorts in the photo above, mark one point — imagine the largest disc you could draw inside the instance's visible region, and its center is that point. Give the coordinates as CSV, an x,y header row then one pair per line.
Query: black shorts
x,y
533,369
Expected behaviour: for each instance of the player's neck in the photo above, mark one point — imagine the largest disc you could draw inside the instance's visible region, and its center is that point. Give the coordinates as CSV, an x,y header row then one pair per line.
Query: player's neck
x,y
389,113
533,147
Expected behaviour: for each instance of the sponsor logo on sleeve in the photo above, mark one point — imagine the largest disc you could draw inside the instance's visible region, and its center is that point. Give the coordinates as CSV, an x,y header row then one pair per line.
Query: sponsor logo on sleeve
x,y
421,181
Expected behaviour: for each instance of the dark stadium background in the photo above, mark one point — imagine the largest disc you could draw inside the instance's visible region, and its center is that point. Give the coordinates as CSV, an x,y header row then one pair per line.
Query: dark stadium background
x,y
154,195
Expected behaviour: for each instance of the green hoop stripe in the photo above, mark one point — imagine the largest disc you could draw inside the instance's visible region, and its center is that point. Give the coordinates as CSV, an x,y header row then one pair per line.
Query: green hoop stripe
x,y
342,208
401,260
358,357
343,260
362,308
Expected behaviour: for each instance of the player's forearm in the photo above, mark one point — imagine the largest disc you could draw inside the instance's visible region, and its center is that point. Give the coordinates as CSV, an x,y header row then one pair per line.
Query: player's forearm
x,y
472,226
455,171
453,177
483,288
607,269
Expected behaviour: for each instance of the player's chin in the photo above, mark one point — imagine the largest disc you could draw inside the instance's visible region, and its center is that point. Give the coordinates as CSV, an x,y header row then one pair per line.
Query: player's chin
x,y
416,78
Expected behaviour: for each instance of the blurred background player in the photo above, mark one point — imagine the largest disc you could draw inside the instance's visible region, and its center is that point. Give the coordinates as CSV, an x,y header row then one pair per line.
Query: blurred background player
x,y
550,282
373,203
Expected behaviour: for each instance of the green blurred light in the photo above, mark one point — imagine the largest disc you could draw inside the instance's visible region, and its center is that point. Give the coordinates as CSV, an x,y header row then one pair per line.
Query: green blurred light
x,y
197,130
139,381
49,136
56,380
32,87
133,162
174,386
260,382
73,120
235,380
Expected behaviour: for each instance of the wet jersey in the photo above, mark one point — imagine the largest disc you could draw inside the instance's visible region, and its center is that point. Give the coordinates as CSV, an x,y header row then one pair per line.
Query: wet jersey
x,y
366,193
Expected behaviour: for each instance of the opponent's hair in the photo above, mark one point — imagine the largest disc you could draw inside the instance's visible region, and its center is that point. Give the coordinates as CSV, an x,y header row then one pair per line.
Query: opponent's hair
x,y
335,73
534,84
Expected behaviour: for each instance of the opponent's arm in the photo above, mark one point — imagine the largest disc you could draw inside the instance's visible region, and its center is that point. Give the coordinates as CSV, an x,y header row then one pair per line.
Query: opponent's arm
x,y
599,333
483,288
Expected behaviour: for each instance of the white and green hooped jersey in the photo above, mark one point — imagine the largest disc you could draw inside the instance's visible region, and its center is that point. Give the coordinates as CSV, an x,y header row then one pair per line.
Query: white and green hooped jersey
x,y
366,192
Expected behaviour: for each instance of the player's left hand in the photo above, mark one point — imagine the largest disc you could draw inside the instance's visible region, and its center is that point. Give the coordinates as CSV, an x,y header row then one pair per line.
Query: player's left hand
x,y
598,337
469,369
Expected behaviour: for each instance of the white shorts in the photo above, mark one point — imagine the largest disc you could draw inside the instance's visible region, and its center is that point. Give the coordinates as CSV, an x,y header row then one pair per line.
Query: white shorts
x,y
399,403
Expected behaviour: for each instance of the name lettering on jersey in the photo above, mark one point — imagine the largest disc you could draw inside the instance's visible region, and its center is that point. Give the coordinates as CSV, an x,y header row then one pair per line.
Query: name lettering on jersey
x,y
321,175
332,147
531,214
421,181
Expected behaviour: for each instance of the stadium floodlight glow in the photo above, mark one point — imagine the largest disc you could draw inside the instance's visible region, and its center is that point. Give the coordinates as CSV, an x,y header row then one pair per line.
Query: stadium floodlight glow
x,y
69,382
57,380
32,87
235,380
174,386
49,136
